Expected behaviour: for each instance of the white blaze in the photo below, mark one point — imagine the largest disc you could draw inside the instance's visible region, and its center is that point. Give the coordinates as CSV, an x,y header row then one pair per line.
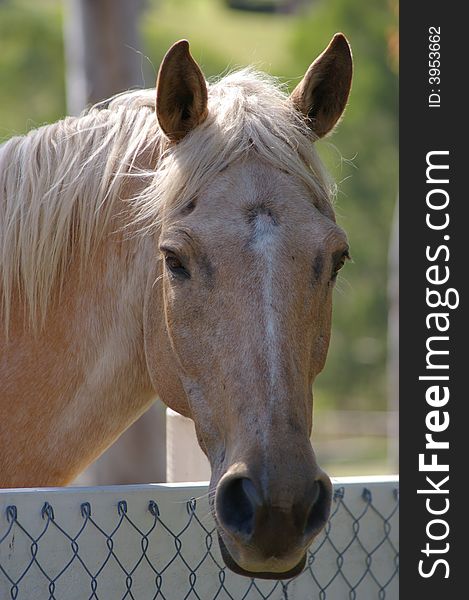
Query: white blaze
x,y
264,244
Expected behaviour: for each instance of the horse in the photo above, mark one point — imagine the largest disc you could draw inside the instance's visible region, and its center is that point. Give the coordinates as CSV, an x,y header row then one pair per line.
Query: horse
x,y
178,242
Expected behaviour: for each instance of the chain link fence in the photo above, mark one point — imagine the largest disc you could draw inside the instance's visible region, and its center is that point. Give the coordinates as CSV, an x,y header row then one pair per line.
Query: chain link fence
x,y
152,542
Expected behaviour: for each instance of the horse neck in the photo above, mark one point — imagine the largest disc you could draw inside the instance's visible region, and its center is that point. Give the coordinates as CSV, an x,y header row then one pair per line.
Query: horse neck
x,y
111,315
82,380
115,389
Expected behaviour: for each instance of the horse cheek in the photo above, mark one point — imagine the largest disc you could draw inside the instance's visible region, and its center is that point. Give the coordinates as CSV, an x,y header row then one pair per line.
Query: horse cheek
x,y
160,359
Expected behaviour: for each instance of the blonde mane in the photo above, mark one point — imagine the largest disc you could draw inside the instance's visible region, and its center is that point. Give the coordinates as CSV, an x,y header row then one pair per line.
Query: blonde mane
x,y
61,184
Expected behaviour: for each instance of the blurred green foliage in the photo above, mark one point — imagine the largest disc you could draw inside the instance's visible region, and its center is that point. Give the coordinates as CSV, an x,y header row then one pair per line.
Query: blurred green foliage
x,y
355,373
362,155
32,87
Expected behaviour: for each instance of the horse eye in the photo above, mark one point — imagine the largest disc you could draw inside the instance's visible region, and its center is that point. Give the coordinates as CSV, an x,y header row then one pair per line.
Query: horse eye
x,y
175,265
340,263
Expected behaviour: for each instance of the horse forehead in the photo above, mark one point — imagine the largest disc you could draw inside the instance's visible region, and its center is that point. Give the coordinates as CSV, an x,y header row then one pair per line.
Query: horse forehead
x,y
246,203
247,186
255,180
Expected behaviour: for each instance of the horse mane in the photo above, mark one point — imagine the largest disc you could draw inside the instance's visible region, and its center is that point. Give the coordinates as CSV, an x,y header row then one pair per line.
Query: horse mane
x,y
61,184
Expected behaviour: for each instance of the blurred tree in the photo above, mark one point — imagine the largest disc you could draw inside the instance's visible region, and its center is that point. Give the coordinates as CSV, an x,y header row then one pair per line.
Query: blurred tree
x,y
102,44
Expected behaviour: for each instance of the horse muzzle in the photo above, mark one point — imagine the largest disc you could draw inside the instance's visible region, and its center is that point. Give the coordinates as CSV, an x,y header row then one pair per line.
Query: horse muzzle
x,y
272,569
261,536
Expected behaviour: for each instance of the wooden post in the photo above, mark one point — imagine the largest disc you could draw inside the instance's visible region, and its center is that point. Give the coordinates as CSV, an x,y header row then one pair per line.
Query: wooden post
x,y
102,45
138,456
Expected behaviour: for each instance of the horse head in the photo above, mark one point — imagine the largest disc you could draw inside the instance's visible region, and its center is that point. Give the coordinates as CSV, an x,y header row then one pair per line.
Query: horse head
x,y
238,309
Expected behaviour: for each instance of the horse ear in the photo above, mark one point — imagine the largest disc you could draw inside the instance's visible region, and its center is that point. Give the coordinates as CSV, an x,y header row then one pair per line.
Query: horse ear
x,y
181,93
323,92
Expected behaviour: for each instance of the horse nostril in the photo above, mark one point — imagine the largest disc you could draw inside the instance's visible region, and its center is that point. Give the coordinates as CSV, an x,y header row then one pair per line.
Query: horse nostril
x,y
237,502
320,508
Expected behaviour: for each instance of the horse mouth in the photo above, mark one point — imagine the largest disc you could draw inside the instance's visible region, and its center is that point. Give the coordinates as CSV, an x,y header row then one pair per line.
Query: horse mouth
x,y
233,566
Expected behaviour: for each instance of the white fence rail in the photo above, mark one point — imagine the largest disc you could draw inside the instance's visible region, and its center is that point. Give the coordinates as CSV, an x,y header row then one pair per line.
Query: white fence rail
x,y
158,541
